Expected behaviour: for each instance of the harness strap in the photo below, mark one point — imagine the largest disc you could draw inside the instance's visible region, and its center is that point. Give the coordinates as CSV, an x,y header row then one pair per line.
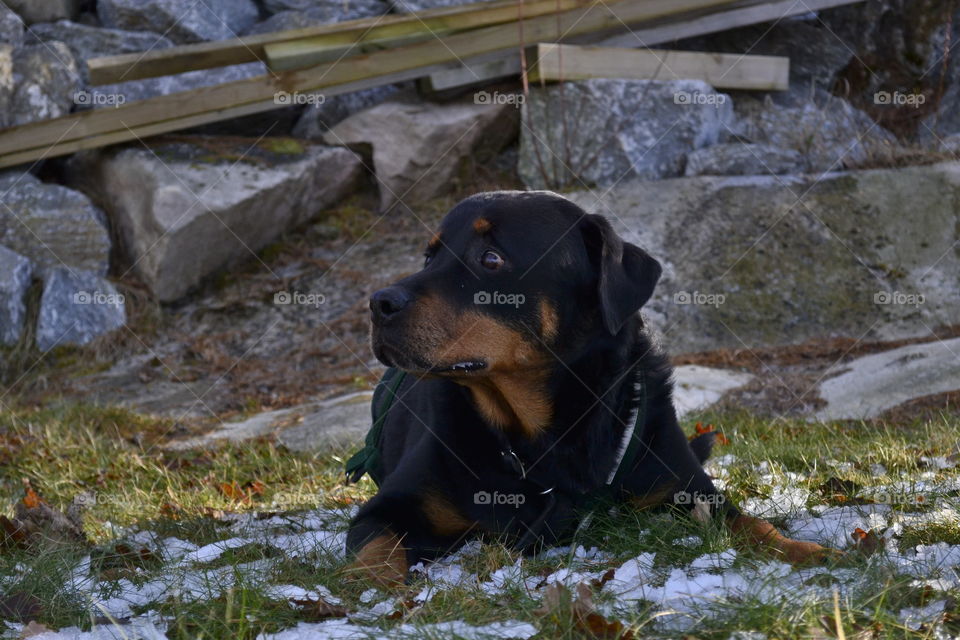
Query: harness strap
x,y
367,460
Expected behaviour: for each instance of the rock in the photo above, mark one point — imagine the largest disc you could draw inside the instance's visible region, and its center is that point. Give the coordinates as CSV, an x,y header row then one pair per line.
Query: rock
x,y
44,10
739,159
180,20
827,131
419,147
184,211
409,6
951,143
85,41
11,28
7,85
319,117
77,306
45,81
623,129
328,10
696,388
872,384
778,260
52,225
338,423
15,274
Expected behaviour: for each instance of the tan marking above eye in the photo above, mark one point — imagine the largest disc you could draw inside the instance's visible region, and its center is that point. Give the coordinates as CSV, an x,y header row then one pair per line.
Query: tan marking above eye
x,y
482,225
435,241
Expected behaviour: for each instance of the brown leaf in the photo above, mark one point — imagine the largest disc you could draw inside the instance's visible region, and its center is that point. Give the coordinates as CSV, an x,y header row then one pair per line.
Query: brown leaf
x,y
867,542
316,610
556,597
35,521
31,500
604,579
33,628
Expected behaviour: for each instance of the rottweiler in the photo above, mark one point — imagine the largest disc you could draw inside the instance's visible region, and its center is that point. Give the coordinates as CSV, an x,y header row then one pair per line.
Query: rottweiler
x,y
530,390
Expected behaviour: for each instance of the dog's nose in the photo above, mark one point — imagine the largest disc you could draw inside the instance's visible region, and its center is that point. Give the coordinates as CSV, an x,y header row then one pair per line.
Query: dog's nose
x,y
388,302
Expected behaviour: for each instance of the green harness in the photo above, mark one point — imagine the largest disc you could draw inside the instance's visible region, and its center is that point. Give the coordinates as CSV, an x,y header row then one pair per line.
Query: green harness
x,y
368,461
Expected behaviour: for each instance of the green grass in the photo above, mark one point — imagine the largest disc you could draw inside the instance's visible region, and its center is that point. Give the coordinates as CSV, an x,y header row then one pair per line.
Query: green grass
x,y
112,455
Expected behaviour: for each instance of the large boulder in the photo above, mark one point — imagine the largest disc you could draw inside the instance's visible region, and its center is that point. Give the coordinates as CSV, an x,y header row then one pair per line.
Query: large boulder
x,y
740,159
419,147
775,260
328,10
77,306
15,274
45,82
181,20
598,132
52,225
184,211
318,117
44,10
11,27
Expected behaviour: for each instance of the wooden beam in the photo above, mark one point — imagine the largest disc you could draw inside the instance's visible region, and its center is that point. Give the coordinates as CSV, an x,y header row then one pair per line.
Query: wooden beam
x,y
207,55
297,54
722,70
383,66
473,72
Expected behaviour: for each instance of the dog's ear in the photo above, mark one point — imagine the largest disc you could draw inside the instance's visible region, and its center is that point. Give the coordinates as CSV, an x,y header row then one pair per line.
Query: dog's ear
x,y
627,273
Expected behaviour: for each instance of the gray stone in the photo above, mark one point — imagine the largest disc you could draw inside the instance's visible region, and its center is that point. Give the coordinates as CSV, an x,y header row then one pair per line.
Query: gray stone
x,y
77,306
15,274
598,132
409,6
337,423
11,27
87,42
827,131
778,260
696,388
185,211
180,20
872,384
108,94
328,10
44,10
317,118
45,82
52,225
418,147
7,85
740,159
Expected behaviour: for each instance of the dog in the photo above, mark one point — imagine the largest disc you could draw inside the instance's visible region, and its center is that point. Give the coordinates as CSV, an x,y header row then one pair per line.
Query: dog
x,y
530,388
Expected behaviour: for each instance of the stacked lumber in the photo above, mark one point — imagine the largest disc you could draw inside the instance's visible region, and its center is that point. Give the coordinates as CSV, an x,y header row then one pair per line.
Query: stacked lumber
x,y
369,52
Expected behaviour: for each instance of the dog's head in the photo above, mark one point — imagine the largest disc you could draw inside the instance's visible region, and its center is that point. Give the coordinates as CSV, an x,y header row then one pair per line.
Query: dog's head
x,y
510,280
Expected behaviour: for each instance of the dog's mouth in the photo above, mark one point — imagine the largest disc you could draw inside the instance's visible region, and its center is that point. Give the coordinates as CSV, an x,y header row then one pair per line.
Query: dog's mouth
x,y
466,366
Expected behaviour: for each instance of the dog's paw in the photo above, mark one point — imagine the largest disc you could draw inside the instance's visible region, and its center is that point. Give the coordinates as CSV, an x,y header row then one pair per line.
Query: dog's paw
x,y
382,561
805,554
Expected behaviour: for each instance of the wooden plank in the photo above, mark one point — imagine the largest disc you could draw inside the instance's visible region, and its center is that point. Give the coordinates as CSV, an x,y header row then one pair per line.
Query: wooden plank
x,y
383,65
307,52
207,55
472,72
721,70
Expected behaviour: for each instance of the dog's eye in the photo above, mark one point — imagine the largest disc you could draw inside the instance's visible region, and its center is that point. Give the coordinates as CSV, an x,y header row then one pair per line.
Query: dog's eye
x,y
491,260
427,257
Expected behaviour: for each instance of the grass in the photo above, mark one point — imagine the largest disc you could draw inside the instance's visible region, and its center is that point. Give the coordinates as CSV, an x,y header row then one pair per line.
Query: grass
x,y
112,458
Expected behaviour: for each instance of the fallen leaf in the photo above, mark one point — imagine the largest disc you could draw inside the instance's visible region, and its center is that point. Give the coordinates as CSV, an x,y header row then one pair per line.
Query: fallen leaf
x,y
556,599
868,542
316,610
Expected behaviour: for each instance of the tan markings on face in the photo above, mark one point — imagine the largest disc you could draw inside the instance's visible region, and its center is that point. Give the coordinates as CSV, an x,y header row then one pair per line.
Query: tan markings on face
x,y
511,391
443,517
383,560
762,533
434,241
482,225
549,322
